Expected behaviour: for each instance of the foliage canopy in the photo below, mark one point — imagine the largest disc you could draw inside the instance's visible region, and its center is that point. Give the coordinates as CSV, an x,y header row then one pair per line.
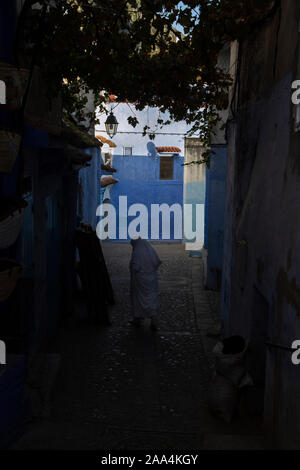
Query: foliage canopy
x,y
131,48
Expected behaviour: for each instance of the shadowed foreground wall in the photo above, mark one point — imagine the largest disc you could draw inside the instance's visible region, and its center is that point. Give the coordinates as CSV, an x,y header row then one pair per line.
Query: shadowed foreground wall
x,y
214,215
261,275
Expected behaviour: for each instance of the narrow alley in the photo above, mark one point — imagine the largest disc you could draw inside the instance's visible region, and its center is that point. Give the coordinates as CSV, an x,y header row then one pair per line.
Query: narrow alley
x,y
122,387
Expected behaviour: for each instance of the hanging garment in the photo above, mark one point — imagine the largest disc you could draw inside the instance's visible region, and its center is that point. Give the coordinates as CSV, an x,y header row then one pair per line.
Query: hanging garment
x,y
94,276
143,284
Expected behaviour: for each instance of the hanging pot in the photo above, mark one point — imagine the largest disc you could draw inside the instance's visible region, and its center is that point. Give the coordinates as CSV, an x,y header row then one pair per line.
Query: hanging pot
x,y
9,149
107,167
10,271
107,180
15,80
11,218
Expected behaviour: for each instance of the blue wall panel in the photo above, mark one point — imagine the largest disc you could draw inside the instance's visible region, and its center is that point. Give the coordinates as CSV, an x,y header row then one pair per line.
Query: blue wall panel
x,y
89,178
139,180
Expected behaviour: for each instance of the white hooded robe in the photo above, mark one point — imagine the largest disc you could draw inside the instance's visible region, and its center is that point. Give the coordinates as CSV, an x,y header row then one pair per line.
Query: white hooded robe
x,y
144,284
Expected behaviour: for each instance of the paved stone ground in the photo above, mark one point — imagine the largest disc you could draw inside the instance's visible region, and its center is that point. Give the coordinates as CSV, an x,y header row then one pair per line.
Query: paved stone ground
x,y
126,388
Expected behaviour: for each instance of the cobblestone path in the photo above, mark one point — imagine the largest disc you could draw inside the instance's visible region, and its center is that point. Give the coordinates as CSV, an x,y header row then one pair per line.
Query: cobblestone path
x,y
125,388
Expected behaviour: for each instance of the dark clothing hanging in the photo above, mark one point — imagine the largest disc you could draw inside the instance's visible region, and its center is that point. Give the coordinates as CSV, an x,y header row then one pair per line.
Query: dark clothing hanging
x,y
94,276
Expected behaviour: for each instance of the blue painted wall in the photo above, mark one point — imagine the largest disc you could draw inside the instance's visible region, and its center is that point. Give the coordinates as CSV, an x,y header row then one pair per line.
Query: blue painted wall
x,y
139,180
89,178
12,376
194,195
215,216
7,34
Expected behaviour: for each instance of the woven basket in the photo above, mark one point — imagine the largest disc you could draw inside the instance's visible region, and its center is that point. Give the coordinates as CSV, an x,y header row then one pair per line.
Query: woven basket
x,y
16,81
10,272
11,218
9,149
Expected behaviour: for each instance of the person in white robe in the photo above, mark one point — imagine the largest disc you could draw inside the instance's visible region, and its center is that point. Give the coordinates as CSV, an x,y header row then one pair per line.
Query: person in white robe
x,y
143,282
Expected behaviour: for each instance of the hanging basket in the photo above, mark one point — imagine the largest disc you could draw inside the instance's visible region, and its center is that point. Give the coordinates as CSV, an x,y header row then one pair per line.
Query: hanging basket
x,y
10,271
107,167
9,149
16,81
11,218
107,180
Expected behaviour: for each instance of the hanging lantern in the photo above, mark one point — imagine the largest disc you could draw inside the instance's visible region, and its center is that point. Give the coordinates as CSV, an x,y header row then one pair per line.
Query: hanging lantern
x,y
111,125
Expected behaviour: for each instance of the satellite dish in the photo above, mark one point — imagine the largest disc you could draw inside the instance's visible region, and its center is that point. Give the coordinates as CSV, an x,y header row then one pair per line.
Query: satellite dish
x,y
151,149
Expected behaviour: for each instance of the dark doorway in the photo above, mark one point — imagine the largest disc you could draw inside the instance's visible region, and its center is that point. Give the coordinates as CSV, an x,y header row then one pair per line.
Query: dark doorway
x,y
258,352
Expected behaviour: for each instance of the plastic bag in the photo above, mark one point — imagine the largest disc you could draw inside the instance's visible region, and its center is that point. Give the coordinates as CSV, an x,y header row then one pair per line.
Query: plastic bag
x,y
229,376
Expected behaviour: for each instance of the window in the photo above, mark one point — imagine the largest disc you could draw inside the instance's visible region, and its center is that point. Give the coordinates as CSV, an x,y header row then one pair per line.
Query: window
x,y
166,168
127,151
